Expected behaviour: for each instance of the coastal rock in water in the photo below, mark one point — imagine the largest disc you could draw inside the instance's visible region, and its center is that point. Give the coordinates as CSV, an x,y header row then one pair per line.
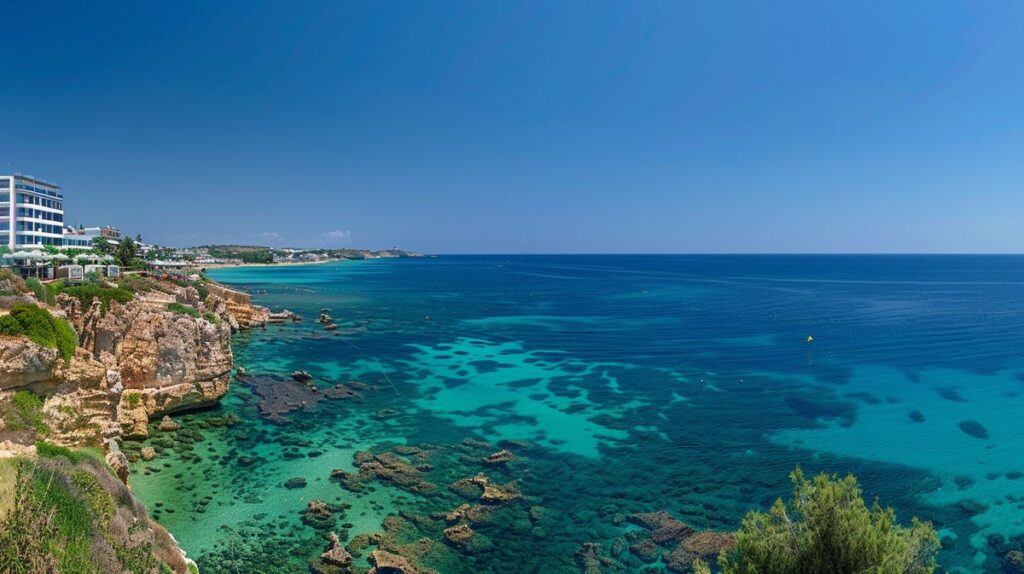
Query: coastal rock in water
x,y
475,514
974,429
387,563
665,529
297,482
147,453
705,545
459,536
301,376
1013,562
591,560
390,468
492,493
318,508
499,458
319,515
646,550
167,424
335,554
280,396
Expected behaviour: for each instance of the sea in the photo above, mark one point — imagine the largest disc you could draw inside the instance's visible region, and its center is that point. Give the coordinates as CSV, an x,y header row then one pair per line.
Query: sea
x,y
620,384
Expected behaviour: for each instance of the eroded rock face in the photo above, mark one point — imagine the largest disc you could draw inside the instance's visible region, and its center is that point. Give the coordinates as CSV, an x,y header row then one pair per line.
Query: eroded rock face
x,y
239,306
171,361
23,362
155,347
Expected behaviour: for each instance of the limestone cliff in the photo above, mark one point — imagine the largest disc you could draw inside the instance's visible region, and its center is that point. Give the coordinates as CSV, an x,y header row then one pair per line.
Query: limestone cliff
x,y
167,349
166,361
237,306
135,360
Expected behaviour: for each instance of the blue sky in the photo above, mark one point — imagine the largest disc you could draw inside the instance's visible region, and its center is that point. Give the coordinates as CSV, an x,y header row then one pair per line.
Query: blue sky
x,y
527,127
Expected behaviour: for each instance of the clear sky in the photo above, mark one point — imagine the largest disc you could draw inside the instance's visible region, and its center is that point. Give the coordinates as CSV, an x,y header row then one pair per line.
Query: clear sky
x,y
585,126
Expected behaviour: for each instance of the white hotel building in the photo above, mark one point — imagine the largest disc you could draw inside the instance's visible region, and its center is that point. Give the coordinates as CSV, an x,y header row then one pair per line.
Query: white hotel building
x,y
31,213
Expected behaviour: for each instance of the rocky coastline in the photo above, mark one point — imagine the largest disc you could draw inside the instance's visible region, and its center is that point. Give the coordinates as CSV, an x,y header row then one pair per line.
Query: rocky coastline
x,y
165,350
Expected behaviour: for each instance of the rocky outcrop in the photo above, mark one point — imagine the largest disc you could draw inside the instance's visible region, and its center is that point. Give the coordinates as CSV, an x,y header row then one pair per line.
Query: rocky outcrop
x,y
687,544
23,362
499,458
237,305
165,361
385,467
388,563
335,554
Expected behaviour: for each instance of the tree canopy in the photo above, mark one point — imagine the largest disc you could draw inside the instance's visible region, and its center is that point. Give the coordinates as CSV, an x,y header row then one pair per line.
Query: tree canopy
x,y
826,528
126,252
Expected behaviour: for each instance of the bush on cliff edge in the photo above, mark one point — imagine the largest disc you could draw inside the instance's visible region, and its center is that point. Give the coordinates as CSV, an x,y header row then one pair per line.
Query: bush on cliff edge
x,y
41,328
826,528
89,291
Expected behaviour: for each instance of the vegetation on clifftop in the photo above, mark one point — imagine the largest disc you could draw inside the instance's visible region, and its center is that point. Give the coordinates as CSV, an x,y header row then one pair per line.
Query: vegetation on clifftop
x,y
86,292
40,327
66,512
826,528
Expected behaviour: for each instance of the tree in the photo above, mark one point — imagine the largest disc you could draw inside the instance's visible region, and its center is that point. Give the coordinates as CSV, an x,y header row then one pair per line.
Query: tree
x,y
138,238
102,246
126,252
826,528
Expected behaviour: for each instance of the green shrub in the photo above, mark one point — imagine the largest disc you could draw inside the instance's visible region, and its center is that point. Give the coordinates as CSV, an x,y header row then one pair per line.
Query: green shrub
x,y
48,450
52,289
183,309
827,528
67,339
36,286
25,412
89,291
10,326
211,317
41,328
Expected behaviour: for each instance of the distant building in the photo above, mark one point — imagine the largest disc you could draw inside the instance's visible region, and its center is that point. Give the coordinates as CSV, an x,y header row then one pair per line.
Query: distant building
x,y
31,213
83,237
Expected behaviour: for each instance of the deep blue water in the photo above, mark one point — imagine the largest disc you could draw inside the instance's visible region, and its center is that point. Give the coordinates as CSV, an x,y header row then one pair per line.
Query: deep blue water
x,y
684,383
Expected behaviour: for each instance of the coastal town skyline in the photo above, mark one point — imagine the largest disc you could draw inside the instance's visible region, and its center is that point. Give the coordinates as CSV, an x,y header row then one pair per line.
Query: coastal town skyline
x,y
526,128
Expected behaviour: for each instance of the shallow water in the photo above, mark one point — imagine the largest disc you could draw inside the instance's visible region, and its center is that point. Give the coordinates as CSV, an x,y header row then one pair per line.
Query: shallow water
x,y
642,383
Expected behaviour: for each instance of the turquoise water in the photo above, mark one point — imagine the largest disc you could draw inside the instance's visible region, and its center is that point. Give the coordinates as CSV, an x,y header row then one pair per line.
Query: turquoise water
x,y
622,384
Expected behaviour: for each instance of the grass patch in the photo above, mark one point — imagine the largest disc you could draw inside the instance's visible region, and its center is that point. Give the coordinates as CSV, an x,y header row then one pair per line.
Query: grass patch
x,y
69,517
133,399
25,412
47,450
183,309
8,474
